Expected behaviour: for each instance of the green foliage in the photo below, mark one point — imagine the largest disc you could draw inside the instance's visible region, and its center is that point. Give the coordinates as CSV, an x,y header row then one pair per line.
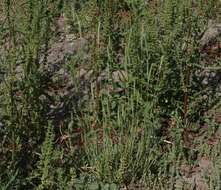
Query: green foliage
x,y
108,132
45,171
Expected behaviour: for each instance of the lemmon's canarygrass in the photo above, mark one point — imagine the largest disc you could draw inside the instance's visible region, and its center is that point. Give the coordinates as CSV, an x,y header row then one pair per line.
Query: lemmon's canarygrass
x,y
131,129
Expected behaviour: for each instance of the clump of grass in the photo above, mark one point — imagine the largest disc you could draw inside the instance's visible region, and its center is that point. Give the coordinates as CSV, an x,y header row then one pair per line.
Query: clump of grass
x,y
117,135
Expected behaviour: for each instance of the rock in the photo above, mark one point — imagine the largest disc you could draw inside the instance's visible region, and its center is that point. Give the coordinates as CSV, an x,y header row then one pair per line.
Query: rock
x,y
56,53
69,47
213,31
193,176
82,72
1,125
61,23
208,76
120,76
102,76
19,72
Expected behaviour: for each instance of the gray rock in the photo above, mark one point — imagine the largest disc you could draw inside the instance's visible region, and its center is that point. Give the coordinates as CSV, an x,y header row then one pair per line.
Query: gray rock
x,y
19,72
119,76
212,32
56,53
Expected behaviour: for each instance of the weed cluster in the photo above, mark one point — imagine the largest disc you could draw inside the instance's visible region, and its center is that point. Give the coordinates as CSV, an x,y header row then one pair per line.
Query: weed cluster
x,y
102,94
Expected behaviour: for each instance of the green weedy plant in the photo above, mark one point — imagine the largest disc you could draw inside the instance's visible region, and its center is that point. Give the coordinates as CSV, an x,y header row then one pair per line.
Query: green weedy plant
x,y
49,174
45,171
113,155
155,43
27,32
171,65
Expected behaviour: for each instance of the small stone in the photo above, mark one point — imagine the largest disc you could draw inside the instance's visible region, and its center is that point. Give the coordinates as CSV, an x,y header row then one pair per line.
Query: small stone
x,y
103,76
70,37
205,164
205,97
89,74
82,72
212,32
120,76
205,81
42,98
